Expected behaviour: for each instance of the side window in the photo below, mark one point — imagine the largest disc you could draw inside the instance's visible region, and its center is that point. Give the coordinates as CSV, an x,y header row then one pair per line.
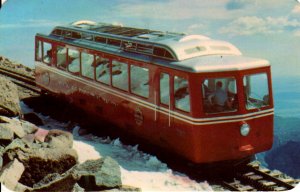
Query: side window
x,y
73,61
102,70
256,90
219,95
164,88
38,51
139,80
87,67
61,57
47,52
181,94
120,75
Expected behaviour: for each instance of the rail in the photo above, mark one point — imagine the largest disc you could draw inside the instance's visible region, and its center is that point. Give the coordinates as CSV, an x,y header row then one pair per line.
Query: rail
x,y
252,177
19,79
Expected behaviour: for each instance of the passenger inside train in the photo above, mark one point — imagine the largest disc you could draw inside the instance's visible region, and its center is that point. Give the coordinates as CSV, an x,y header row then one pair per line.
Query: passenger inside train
x,y
220,95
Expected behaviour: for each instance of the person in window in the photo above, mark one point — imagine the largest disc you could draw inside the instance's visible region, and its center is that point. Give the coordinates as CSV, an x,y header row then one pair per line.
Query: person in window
x,y
219,99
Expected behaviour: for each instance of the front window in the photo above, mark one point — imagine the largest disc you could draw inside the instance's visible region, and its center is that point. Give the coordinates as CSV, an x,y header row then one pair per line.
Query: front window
x,y
219,95
256,91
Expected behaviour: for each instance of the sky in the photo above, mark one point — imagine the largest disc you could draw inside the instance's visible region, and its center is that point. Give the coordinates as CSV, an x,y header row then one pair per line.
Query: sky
x,y
267,29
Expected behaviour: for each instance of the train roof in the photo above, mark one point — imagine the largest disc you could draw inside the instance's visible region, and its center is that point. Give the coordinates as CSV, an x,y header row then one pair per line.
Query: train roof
x,y
194,53
167,45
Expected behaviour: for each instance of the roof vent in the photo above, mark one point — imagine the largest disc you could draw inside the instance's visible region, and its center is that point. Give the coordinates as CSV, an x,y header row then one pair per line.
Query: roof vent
x,y
84,24
193,37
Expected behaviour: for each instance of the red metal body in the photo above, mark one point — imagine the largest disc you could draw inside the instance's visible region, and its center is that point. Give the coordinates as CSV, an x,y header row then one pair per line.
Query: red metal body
x,y
195,135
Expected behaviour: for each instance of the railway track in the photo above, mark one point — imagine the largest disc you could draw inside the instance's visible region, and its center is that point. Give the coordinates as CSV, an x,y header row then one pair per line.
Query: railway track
x,y
253,177
21,80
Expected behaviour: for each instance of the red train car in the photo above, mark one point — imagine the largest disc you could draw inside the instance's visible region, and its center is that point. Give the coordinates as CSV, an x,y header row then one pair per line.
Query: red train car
x,y
188,94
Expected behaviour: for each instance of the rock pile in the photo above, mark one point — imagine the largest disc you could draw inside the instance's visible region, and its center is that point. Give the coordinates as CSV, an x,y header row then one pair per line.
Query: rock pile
x,y
17,67
9,98
35,159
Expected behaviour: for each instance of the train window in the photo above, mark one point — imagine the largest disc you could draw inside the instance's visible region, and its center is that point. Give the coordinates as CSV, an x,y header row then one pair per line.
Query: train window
x,y
67,34
256,90
120,75
61,57
139,80
145,48
57,32
87,36
87,65
73,61
129,45
76,35
100,39
219,95
102,70
114,42
181,94
164,87
47,52
38,51
161,52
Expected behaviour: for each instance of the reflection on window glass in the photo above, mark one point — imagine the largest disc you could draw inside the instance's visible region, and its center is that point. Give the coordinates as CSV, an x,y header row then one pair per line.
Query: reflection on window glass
x,y
164,89
139,80
256,90
219,95
181,94
38,50
61,55
120,75
47,53
102,70
87,67
73,61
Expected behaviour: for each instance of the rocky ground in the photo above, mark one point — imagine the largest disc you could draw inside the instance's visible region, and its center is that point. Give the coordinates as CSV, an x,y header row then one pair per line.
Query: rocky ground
x,y
35,159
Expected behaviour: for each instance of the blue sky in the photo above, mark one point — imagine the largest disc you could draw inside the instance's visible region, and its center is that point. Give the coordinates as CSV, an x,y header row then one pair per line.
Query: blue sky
x,y
268,29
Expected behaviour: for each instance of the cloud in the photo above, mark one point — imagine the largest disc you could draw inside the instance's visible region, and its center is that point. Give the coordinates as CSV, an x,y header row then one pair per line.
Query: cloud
x,y
296,9
175,9
297,33
251,25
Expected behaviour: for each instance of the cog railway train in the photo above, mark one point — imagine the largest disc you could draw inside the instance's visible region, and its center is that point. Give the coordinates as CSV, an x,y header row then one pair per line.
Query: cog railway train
x,y
187,94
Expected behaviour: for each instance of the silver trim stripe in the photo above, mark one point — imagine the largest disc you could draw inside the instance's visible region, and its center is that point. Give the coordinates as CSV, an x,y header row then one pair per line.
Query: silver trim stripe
x,y
182,117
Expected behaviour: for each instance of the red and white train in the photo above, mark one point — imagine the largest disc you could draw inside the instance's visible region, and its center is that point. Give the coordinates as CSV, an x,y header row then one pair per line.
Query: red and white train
x,y
188,94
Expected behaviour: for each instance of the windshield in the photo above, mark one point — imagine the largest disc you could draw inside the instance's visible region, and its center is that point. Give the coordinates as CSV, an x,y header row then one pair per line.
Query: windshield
x,y
256,91
219,95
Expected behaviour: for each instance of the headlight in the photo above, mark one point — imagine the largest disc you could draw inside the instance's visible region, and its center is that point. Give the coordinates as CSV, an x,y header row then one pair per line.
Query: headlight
x,y
245,129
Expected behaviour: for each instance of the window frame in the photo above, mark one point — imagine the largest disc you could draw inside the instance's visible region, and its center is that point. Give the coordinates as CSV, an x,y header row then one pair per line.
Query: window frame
x,y
109,64
188,91
43,53
237,94
112,76
130,82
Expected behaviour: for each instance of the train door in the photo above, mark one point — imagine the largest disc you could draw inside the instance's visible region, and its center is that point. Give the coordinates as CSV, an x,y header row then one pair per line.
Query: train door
x,y
163,105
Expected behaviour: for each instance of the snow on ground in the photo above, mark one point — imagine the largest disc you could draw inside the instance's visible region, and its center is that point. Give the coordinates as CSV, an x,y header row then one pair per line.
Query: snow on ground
x,y
138,169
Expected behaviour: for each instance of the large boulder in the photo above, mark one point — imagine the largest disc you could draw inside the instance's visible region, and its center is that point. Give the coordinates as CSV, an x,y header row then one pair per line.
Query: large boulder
x,y
39,162
9,98
11,173
99,174
57,182
14,125
6,135
59,139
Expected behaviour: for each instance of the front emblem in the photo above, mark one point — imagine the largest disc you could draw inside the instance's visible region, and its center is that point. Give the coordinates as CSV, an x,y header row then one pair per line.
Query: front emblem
x,y
138,116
